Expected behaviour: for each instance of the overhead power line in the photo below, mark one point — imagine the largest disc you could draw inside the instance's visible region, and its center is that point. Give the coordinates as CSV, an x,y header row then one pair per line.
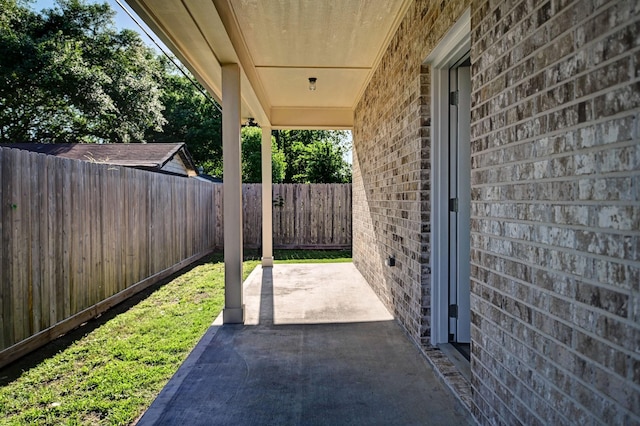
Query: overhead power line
x,y
168,56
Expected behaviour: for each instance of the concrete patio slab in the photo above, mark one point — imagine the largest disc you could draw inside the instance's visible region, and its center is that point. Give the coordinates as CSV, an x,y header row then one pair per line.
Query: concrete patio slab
x,y
317,348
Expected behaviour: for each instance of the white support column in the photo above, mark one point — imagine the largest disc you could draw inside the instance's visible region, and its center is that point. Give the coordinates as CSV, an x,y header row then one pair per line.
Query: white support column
x,y
267,205
233,308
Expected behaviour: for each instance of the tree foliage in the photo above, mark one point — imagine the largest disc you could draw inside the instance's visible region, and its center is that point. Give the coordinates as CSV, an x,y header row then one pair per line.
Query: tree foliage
x,y
315,156
321,161
67,75
190,117
252,157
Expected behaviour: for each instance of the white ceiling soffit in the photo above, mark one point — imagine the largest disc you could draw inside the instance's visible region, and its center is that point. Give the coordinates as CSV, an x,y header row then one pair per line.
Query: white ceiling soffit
x,y
280,44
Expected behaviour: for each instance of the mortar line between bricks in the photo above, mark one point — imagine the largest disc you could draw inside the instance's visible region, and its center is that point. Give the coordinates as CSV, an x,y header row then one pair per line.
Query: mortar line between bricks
x,y
551,203
605,286
489,371
561,107
572,227
589,361
548,269
631,141
568,178
626,54
632,113
562,321
568,250
560,368
574,52
545,133
501,401
490,34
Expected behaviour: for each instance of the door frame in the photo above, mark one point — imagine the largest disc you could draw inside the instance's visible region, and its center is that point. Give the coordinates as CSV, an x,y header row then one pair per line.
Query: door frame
x,y
453,47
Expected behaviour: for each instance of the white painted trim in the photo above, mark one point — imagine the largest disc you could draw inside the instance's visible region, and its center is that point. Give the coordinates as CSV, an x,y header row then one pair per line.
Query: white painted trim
x,y
232,209
463,244
453,46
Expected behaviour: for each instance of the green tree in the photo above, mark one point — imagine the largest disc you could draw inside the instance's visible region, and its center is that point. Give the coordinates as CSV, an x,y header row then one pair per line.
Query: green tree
x,y
193,118
299,157
294,144
322,161
67,75
252,157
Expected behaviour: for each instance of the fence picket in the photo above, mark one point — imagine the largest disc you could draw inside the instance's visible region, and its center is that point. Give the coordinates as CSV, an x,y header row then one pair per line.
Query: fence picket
x,y
3,255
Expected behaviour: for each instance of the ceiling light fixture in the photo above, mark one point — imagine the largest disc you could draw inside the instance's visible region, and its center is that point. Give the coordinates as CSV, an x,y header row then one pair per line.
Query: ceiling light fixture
x,y
312,83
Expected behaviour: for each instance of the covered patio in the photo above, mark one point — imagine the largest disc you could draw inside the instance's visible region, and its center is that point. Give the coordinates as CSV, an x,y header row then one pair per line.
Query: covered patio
x,y
495,181
295,345
283,64
317,347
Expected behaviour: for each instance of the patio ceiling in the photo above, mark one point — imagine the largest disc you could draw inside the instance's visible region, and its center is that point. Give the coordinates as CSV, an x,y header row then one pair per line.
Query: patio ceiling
x,y
279,45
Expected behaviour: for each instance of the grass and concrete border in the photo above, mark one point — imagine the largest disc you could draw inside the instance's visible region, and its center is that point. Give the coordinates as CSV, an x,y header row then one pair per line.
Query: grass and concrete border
x,y
111,369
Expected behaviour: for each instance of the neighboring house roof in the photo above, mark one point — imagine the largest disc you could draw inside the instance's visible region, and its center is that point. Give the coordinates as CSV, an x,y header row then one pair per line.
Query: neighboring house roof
x,y
170,158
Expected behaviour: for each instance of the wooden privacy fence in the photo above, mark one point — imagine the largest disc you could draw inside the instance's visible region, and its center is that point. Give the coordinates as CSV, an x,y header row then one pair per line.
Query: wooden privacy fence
x,y
76,238
304,215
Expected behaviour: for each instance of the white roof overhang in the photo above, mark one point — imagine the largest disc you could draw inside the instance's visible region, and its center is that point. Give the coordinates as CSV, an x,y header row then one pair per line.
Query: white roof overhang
x,y
279,45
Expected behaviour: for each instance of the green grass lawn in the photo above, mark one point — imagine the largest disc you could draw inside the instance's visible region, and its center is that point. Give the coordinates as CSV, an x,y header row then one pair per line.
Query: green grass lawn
x,y
113,373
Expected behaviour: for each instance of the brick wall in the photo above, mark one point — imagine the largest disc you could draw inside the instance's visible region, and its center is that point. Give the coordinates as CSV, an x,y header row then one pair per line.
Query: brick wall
x,y
555,201
556,211
391,208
